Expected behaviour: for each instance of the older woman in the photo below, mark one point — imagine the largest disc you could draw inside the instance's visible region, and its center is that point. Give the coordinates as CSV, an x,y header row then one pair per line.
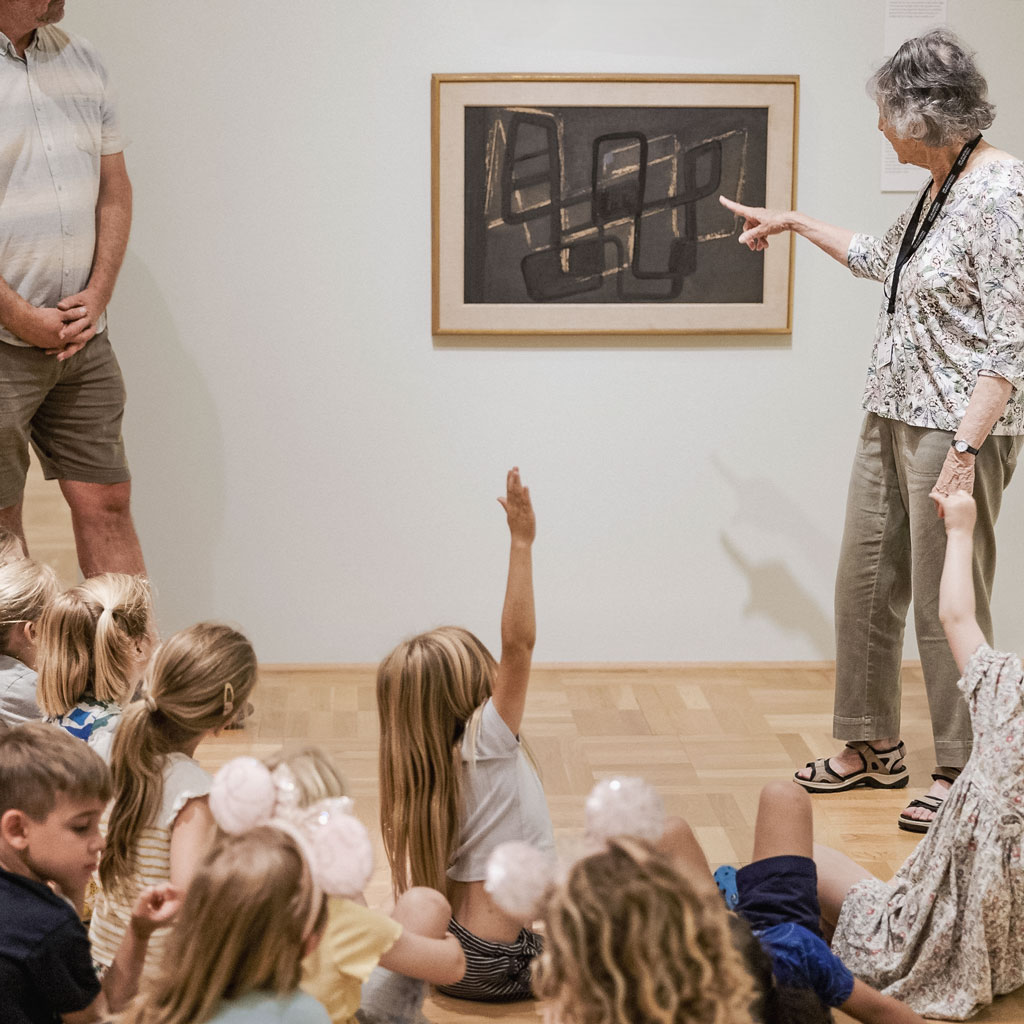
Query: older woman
x,y
945,408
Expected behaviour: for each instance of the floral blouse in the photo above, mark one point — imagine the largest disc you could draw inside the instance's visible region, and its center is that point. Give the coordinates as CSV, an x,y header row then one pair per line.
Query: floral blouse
x,y
959,307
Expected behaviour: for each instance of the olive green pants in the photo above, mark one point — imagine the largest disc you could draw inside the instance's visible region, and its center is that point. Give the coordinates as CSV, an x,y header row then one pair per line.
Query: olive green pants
x,y
893,548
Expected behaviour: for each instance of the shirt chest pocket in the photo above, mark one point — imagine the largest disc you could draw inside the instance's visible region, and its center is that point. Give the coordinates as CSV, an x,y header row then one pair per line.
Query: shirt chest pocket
x,y
83,122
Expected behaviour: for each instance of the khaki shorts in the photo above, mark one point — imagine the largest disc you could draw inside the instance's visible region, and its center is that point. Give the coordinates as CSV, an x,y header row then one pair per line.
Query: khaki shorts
x,y
70,412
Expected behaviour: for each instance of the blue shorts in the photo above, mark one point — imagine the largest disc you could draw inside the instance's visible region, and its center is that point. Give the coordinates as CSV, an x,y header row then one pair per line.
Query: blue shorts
x,y
778,898
778,890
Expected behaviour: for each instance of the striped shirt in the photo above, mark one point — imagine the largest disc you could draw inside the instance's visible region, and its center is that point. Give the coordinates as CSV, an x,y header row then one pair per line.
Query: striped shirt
x,y
184,780
57,118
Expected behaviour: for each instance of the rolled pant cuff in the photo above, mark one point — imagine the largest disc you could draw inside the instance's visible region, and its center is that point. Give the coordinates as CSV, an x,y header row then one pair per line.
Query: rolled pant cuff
x,y
952,755
863,728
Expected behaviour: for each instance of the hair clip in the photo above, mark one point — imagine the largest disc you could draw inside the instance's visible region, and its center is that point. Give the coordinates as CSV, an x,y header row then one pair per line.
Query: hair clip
x,y
229,698
246,794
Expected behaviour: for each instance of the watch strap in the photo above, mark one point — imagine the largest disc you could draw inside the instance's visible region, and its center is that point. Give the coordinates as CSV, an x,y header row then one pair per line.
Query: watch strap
x,y
966,446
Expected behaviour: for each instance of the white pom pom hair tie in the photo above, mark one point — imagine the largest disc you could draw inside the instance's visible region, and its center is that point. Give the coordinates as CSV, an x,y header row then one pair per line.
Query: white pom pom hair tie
x,y
624,806
520,877
334,844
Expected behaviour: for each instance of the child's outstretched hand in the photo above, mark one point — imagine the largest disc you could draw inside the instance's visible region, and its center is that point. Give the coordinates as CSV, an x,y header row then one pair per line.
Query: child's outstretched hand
x,y
516,503
958,509
155,907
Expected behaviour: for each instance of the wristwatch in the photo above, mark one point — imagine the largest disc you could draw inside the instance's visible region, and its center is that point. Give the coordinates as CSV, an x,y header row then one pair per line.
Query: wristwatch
x,y
962,446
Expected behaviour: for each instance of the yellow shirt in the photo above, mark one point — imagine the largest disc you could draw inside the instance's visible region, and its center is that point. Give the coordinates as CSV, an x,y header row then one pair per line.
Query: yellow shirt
x,y
354,941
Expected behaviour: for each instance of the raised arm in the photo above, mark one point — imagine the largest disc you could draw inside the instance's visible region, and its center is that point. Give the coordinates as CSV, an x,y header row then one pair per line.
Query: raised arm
x,y
518,621
759,223
956,590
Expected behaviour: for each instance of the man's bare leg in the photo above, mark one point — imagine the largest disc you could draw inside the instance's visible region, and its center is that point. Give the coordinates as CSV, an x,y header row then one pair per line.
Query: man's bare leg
x,y
10,519
105,535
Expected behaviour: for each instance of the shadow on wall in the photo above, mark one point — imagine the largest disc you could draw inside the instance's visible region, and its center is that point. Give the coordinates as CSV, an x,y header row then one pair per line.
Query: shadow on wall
x,y
175,450
774,592
777,595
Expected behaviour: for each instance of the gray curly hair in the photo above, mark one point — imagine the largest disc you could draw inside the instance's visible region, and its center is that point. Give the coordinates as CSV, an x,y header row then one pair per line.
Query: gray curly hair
x,y
930,89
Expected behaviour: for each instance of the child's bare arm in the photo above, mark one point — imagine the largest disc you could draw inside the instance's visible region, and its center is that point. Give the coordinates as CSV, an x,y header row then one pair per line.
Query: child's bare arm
x,y
872,1007
518,620
155,907
956,590
191,836
437,961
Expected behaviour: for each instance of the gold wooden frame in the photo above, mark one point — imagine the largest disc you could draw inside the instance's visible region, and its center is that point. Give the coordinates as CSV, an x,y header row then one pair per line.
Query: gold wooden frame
x,y
451,94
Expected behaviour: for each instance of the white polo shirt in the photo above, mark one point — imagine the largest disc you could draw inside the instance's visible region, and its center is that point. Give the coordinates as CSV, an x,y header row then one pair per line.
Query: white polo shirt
x,y
57,117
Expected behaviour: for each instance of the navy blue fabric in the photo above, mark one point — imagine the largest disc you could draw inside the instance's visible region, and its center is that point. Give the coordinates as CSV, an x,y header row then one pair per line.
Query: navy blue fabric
x,y
803,960
45,961
778,890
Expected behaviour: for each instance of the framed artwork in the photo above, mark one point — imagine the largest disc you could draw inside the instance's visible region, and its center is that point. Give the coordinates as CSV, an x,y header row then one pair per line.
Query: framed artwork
x,y
588,204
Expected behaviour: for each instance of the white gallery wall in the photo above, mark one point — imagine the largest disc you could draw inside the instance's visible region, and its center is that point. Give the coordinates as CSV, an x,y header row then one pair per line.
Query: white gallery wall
x,y
311,464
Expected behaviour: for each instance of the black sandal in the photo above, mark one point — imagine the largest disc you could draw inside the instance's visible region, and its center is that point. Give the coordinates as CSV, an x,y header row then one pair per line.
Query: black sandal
x,y
928,803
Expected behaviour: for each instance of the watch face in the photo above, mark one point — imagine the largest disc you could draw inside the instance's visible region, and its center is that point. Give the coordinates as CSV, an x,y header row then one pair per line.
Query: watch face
x,y
961,446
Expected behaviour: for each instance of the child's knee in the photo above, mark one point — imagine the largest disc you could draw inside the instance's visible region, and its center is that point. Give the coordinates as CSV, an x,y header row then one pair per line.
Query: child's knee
x,y
784,796
678,836
423,911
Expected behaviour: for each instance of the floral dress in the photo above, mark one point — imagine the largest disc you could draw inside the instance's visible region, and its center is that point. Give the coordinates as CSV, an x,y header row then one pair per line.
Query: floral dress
x,y
946,935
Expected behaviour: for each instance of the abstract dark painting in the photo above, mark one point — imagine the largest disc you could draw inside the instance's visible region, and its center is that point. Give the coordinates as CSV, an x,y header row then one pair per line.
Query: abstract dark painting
x,y
581,215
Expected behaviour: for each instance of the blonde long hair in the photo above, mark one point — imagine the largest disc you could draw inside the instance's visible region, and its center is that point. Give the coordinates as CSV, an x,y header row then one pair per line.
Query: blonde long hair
x,y
26,587
240,930
315,774
429,689
89,641
200,680
628,940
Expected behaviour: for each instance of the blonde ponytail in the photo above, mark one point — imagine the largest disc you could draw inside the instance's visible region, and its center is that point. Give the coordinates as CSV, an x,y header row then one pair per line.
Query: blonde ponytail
x,y
89,641
199,680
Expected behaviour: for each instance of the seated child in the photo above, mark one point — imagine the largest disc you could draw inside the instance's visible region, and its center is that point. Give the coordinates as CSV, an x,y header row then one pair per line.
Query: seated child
x,y
26,587
944,934
53,793
637,934
252,912
452,764
411,947
160,824
94,643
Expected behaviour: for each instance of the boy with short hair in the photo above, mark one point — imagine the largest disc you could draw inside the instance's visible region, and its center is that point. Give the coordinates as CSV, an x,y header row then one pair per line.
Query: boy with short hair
x,y
53,791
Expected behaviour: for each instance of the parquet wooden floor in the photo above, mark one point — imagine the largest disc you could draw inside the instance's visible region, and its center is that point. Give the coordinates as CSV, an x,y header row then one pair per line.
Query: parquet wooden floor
x,y
707,736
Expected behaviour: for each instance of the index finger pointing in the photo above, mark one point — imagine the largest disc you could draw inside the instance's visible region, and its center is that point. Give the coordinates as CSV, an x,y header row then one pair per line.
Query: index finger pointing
x,y
730,204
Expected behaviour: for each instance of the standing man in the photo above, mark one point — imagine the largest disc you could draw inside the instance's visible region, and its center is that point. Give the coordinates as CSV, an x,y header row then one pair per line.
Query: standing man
x,y
65,214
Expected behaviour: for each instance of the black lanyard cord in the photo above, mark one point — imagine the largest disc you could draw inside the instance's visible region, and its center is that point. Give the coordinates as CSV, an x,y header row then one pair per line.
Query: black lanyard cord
x,y
910,244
